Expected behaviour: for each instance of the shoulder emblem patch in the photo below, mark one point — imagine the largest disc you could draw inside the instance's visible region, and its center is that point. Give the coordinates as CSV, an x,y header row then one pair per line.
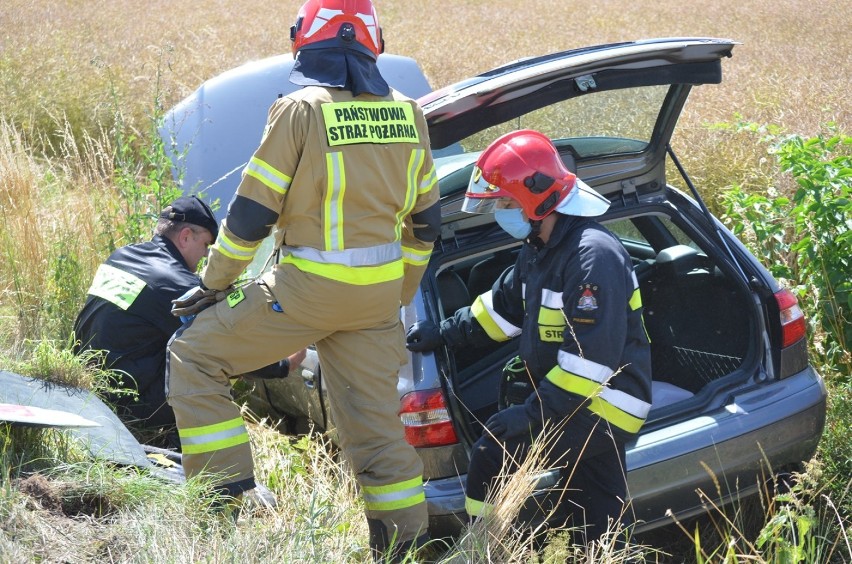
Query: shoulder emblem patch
x,y
588,297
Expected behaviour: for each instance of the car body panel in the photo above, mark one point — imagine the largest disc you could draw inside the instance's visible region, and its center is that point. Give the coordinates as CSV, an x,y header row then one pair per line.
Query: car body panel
x,y
756,432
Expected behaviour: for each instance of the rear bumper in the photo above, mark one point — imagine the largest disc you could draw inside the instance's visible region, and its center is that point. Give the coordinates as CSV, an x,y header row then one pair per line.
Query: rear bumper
x,y
445,503
758,433
727,454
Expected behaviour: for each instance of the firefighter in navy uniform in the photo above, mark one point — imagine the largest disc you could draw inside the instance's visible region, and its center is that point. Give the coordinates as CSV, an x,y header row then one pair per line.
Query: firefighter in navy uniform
x,y
128,311
573,301
345,174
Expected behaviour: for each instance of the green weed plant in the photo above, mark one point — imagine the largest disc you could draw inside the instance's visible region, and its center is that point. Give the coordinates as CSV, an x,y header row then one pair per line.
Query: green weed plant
x,y
806,237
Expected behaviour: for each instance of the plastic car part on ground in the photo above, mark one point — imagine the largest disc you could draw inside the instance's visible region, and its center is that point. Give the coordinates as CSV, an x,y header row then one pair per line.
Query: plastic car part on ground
x,y
31,416
39,403
104,437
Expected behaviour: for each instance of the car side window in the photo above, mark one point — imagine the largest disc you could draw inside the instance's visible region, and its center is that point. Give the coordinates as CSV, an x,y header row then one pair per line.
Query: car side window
x,y
666,233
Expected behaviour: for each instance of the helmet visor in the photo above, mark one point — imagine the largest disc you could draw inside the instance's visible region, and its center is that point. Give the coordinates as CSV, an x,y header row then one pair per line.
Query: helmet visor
x,y
481,195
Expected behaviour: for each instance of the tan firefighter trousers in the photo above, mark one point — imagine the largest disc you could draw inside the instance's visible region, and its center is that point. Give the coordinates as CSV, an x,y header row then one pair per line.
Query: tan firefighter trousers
x,y
360,343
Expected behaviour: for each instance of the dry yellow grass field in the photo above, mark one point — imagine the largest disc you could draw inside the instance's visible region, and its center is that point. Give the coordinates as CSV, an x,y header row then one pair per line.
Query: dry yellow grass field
x,y
84,60
69,69
793,67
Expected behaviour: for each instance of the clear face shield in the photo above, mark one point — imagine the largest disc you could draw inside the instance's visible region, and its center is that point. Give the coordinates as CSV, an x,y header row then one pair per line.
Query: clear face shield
x,y
481,196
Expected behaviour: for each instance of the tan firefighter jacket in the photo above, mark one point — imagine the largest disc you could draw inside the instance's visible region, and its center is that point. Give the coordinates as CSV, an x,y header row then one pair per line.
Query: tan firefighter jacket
x,y
339,177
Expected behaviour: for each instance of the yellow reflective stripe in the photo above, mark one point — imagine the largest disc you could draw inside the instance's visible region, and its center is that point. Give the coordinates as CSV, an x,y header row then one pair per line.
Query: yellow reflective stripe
x,y
347,123
333,202
116,286
196,440
573,383
356,275
416,257
617,407
551,322
394,496
429,181
588,388
635,300
476,508
550,334
415,163
617,417
232,250
552,317
494,324
268,175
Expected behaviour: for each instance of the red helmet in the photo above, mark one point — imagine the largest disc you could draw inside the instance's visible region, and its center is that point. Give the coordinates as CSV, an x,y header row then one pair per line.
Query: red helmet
x,y
526,167
338,23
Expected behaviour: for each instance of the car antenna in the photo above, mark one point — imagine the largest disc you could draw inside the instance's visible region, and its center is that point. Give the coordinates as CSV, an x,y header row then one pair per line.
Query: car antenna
x,y
709,216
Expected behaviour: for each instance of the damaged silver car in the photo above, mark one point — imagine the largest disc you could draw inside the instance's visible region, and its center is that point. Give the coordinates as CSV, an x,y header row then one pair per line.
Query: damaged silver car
x,y
735,400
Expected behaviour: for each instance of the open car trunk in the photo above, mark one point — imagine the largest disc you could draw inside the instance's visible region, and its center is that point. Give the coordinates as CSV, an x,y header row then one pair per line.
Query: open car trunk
x,y
611,111
699,314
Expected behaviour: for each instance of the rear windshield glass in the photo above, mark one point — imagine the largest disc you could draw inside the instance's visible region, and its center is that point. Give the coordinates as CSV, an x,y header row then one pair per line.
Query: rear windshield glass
x,y
599,123
594,125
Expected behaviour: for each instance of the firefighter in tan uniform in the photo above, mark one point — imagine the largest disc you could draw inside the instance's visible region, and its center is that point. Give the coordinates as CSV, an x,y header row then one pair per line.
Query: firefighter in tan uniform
x,y
345,174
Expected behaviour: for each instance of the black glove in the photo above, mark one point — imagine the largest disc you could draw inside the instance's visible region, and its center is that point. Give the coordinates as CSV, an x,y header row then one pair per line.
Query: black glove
x,y
274,371
423,336
197,299
511,422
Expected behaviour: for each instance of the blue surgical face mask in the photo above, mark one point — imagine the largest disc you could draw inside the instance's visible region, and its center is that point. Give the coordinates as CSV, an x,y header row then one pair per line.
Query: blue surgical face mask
x,y
512,221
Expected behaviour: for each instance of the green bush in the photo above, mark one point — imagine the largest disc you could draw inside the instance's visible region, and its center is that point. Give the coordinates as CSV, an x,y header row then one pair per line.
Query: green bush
x,y
806,237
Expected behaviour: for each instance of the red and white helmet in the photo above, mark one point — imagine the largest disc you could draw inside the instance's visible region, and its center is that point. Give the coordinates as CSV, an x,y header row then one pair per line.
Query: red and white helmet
x,y
525,166
349,24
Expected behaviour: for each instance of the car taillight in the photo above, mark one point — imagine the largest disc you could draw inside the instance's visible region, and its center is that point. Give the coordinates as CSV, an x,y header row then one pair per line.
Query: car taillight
x,y
426,419
793,325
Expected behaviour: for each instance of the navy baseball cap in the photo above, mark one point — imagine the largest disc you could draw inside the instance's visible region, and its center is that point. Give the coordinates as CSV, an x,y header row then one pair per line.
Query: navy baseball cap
x,y
190,209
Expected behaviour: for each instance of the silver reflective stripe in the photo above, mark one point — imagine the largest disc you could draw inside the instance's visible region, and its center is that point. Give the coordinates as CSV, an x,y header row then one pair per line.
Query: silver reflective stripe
x,y
116,286
551,299
230,249
428,182
416,256
584,368
415,162
635,280
507,328
365,256
625,402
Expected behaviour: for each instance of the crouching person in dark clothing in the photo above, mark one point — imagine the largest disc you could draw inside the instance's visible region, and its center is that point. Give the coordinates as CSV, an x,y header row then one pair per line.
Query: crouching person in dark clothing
x,y
128,315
